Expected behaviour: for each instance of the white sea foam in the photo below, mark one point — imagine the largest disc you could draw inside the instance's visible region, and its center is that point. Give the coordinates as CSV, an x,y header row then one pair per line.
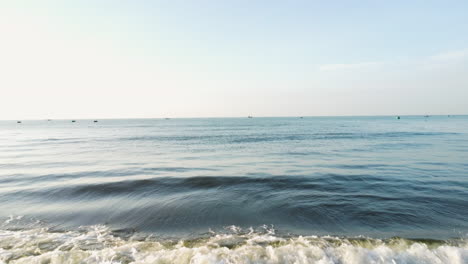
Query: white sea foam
x,y
99,245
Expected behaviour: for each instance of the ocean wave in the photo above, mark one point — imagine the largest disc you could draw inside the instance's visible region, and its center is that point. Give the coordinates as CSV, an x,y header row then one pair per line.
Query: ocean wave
x,y
177,184
214,138
99,244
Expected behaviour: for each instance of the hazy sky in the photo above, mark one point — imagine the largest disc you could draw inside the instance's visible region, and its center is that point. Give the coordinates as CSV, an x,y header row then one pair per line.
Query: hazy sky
x,y
206,58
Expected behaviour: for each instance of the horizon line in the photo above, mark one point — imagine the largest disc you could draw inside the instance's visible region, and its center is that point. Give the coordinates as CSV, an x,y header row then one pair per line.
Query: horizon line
x,y
219,117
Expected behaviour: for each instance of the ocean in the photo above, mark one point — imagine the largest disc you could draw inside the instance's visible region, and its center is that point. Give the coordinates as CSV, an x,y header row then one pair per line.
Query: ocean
x,y
235,190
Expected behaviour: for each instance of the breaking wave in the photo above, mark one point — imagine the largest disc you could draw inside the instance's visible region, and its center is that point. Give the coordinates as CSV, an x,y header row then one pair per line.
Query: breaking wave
x,y
99,244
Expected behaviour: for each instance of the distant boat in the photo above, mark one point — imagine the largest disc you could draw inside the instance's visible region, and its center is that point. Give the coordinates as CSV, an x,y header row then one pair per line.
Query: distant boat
x,y
398,117
19,122
301,117
249,117
49,120
426,116
95,121
167,118
73,121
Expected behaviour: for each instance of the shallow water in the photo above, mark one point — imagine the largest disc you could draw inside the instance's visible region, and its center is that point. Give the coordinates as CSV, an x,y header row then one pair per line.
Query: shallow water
x,y
305,183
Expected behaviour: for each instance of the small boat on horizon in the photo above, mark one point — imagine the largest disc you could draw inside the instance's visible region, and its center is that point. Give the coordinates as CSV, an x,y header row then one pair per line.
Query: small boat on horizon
x,y
249,117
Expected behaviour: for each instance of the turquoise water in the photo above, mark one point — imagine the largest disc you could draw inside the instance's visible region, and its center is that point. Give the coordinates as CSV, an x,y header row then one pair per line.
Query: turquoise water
x,y
337,189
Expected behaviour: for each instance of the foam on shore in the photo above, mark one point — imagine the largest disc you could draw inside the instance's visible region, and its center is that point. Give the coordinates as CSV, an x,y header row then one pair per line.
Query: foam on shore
x,y
98,244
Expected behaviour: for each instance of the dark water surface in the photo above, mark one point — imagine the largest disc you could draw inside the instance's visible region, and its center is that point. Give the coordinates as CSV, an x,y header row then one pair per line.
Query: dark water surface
x,y
242,179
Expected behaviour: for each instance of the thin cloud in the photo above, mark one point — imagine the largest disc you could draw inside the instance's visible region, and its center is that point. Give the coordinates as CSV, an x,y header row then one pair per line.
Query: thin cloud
x,y
451,55
350,66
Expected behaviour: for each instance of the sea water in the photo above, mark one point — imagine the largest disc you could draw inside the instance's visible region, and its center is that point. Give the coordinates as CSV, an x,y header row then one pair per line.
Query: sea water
x,y
235,190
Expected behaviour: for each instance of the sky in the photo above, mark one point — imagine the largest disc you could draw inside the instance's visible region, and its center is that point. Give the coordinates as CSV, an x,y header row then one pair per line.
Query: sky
x,y
211,58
